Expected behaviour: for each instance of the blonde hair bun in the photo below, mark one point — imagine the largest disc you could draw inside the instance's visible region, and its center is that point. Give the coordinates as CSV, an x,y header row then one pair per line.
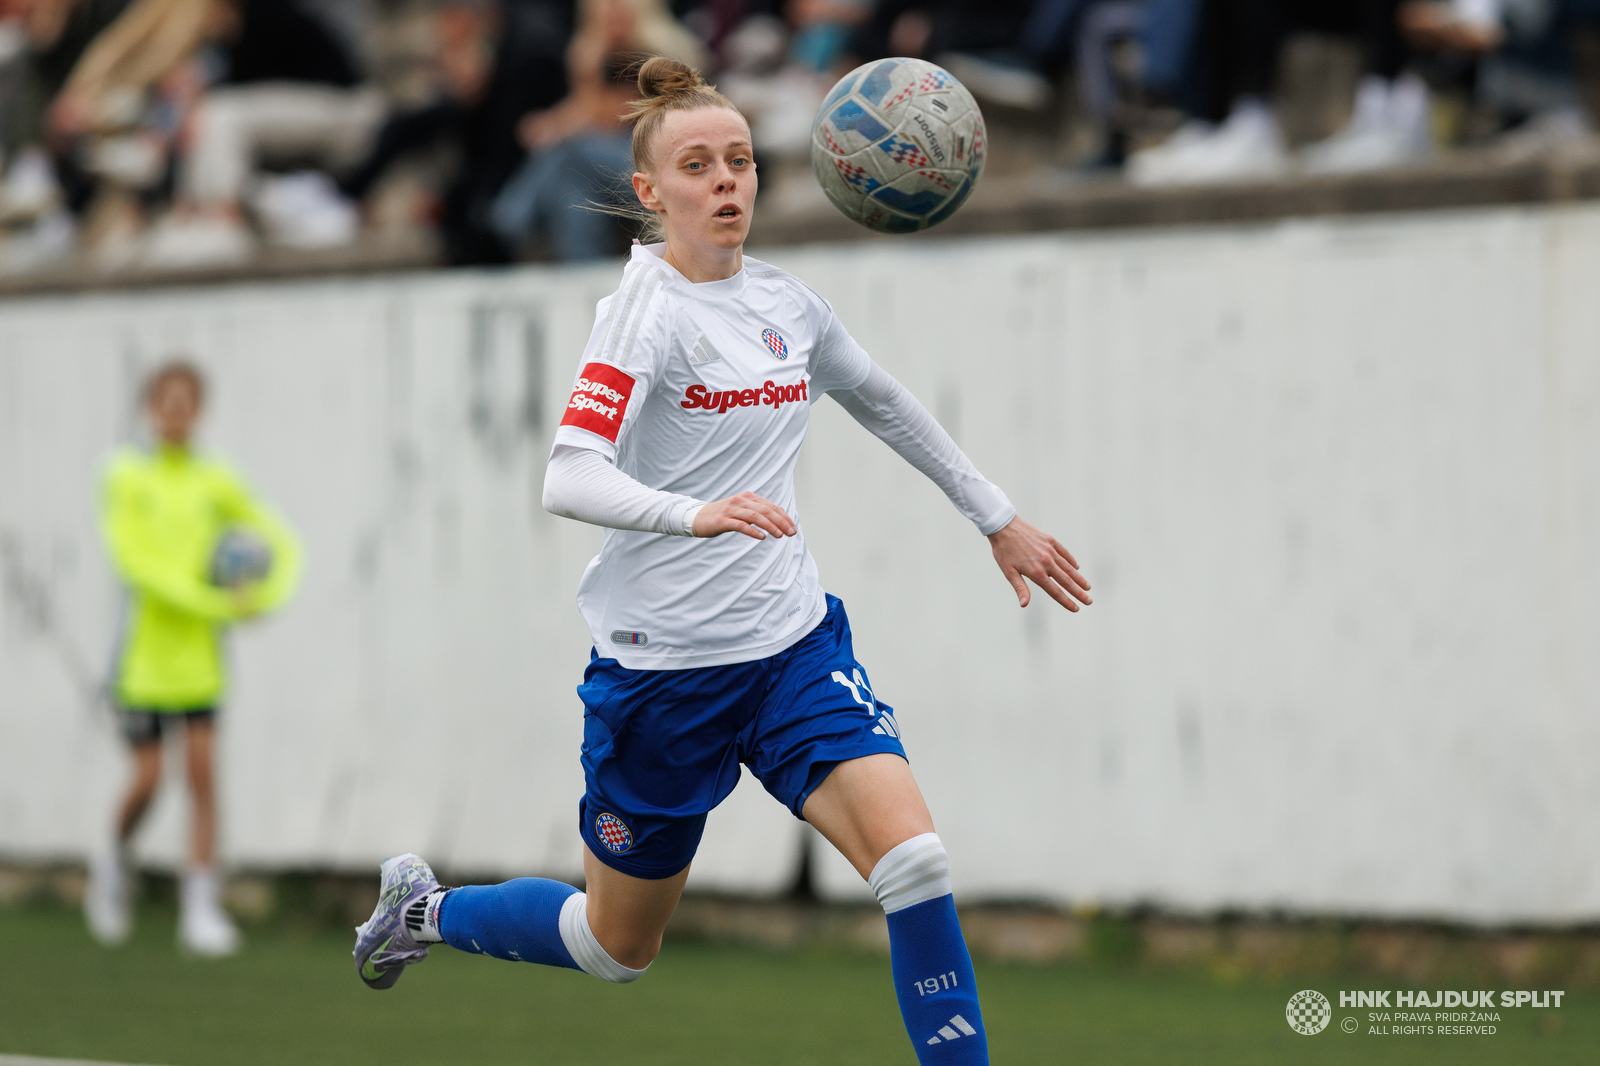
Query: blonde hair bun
x,y
666,85
661,78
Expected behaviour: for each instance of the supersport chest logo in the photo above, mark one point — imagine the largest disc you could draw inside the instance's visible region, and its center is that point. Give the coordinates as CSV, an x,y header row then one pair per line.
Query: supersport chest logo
x,y
599,400
770,394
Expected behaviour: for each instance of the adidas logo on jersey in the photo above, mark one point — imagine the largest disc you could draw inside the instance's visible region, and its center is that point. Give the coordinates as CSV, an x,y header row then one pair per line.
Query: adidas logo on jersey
x,y
770,394
946,1033
703,352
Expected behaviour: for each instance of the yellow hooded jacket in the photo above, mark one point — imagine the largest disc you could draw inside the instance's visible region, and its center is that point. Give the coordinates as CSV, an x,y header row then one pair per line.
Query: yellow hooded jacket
x,y
164,513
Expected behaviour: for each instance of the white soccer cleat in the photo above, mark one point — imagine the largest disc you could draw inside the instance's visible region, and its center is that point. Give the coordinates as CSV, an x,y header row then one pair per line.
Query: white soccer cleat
x,y
105,897
204,929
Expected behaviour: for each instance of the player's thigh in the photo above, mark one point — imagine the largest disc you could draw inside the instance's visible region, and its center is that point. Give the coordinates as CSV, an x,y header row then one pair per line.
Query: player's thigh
x,y
199,740
866,806
628,914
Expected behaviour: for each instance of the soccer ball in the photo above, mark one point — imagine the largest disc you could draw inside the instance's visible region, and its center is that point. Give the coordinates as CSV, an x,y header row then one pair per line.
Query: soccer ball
x,y
898,145
241,557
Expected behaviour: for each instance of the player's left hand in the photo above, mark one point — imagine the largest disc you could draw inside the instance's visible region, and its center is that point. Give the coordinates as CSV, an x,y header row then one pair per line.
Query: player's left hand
x,y
1023,550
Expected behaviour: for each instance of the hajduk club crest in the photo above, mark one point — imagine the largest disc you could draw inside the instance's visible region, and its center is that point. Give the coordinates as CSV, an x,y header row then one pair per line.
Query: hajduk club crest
x,y
774,341
613,833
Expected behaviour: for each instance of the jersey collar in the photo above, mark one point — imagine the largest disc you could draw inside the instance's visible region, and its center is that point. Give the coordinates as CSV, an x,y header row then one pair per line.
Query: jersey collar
x,y
726,289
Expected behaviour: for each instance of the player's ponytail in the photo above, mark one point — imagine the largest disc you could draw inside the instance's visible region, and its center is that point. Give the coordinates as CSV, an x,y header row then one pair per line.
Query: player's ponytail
x,y
666,85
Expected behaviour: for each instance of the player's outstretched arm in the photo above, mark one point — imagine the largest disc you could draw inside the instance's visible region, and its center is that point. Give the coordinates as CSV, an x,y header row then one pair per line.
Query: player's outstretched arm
x,y
745,513
1023,550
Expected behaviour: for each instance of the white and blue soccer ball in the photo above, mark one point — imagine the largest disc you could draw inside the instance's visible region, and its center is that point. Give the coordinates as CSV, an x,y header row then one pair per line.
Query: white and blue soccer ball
x,y
898,145
240,558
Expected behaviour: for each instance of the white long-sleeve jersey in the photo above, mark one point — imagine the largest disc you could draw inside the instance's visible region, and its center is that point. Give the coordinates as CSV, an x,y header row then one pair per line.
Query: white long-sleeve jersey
x,y
690,393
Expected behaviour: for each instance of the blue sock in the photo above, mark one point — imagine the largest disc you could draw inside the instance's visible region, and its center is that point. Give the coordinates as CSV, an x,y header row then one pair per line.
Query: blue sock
x,y
518,920
934,981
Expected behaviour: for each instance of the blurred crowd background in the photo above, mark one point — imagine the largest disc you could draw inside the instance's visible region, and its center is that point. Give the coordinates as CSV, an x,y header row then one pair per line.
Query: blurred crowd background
x,y
179,134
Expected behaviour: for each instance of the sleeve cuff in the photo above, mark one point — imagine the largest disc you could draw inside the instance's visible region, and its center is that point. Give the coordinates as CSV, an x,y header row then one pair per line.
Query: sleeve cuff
x,y
991,527
686,527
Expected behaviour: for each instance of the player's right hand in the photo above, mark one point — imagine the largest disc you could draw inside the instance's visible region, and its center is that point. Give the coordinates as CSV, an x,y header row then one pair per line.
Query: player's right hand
x,y
745,513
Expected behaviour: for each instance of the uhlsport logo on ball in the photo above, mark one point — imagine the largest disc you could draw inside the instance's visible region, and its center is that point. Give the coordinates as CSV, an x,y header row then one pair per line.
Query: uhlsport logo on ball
x,y
898,145
1308,1012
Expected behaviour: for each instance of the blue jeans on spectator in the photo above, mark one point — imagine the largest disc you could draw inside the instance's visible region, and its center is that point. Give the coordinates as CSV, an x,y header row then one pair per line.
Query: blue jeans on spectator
x,y
1535,70
1166,28
557,190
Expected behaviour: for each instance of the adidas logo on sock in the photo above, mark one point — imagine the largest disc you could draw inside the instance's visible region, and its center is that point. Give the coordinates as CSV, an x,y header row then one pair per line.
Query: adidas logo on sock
x,y
947,1033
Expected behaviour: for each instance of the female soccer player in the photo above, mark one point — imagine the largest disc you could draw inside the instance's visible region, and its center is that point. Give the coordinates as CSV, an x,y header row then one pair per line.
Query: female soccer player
x,y
165,511
714,642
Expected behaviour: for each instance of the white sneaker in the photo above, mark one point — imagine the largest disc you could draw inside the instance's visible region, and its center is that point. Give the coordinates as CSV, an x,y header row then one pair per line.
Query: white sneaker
x,y
203,927
1002,83
305,210
105,897
1247,146
30,190
1564,132
1149,166
1389,127
196,243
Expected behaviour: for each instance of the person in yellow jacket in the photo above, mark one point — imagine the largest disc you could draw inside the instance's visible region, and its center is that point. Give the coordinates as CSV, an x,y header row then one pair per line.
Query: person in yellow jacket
x,y
167,512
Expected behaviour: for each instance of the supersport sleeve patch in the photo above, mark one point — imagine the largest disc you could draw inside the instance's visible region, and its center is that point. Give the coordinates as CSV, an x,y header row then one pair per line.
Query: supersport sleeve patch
x,y
599,400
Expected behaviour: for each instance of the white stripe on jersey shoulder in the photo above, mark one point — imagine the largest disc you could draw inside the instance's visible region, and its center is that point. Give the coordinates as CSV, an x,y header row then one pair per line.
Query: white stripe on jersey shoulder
x,y
755,268
628,308
767,272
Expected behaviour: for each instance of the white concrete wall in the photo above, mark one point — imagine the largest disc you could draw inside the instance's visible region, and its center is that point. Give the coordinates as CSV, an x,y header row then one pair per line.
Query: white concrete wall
x,y
1335,482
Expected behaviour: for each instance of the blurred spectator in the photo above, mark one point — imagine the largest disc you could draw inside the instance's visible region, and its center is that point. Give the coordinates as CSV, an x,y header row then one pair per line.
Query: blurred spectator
x,y
1241,42
40,43
580,158
238,81
779,61
495,63
198,553
1086,35
495,101
926,29
1524,69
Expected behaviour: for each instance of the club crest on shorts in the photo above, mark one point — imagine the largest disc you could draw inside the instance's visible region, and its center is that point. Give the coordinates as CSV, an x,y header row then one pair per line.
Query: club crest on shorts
x,y
774,340
613,833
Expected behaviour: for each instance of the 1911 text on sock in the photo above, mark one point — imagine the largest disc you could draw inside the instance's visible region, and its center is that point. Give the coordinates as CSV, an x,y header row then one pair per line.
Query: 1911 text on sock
x,y
931,985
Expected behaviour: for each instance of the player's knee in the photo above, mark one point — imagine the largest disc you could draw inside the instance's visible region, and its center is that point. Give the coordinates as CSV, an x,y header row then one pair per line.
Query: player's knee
x,y
914,871
621,962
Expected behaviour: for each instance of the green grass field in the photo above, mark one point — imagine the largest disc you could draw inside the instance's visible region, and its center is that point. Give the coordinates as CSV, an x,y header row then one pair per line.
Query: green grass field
x,y
293,997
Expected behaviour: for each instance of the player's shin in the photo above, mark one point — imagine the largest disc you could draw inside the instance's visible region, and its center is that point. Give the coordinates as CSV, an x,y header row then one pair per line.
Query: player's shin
x,y
933,976
530,919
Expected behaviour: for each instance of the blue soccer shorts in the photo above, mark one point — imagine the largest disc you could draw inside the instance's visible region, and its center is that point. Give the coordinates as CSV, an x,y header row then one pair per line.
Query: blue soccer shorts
x,y
661,748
